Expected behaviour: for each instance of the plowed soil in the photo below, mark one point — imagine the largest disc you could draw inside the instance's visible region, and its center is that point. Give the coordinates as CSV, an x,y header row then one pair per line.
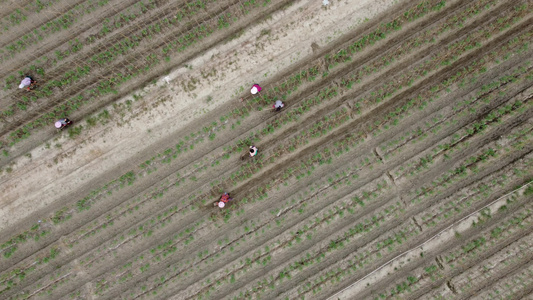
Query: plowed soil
x,y
400,167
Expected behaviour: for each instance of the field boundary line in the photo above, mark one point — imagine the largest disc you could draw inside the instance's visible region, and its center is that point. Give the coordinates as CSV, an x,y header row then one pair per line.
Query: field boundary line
x,y
429,240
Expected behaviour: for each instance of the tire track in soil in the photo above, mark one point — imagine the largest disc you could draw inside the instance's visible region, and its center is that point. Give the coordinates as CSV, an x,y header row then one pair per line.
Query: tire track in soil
x,y
423,84
347,37
431,255
17,31
524,293
324,50
207,43
119,169
450,274
426,234
140,51
389,227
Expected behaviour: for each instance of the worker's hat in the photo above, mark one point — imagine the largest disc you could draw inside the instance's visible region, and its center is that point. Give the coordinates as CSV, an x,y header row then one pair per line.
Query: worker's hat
x,y
221,204
21,86
58,124
254,90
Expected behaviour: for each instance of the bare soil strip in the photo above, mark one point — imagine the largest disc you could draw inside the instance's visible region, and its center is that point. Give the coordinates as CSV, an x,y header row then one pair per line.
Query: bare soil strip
x,y
401,165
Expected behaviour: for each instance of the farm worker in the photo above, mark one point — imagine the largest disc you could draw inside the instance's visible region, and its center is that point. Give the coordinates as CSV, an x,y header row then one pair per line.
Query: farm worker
x,y
27,82
278,105
255,89
253,151
223,200
61,123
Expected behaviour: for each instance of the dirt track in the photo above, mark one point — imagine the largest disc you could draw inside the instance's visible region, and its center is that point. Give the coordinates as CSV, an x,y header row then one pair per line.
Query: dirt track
x,y
400,167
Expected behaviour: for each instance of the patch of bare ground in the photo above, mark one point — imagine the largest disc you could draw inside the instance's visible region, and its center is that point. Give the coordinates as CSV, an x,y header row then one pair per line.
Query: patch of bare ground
x,y
396,138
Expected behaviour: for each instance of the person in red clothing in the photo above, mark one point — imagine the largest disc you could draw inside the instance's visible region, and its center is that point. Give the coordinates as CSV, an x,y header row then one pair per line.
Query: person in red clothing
x,y
223,200
255,89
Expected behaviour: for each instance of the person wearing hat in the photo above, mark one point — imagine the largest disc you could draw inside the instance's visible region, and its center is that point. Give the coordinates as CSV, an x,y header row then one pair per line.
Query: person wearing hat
x,y
255,89
62,123
278,105
223,200
253,151
27,83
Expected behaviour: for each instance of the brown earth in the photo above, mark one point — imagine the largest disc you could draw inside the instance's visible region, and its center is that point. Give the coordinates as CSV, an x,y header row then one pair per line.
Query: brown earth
x,y
401,172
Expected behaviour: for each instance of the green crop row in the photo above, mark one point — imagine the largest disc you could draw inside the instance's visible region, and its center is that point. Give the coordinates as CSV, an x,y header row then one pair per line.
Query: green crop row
x,y
107,86
63,22
462,109
480,192
432,270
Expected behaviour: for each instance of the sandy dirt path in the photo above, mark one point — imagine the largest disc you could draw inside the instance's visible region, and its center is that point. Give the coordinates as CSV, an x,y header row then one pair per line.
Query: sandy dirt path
x,y
282,41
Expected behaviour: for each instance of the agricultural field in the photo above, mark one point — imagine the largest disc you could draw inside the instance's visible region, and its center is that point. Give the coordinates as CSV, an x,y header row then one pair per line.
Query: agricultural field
x,y
401,166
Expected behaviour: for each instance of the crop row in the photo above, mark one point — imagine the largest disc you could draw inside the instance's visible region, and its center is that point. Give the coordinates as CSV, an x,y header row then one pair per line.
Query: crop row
x,y
37,35
145,230
513,285
470,197
19,15
305,107
292,83
326,92
234,178
127,16
130,66
331,214
332,276
435,63
130,177
462,138
165,250
229,245
440,218
473,164
448,116
84,201
81,205
46,64
465,255
39,230
457,203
